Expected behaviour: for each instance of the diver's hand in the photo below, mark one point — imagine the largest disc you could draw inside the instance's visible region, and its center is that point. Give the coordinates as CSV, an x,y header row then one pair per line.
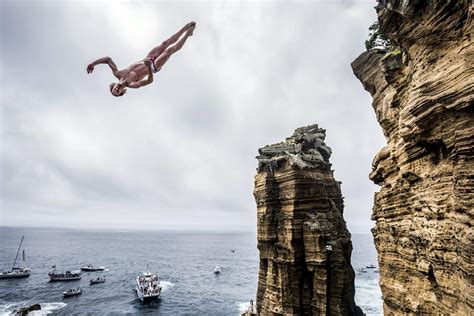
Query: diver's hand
x,y
147,63
90,68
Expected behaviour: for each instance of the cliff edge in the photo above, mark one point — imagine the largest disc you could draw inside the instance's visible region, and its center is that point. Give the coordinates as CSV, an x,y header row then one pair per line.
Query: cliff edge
x,y
422,90
305,247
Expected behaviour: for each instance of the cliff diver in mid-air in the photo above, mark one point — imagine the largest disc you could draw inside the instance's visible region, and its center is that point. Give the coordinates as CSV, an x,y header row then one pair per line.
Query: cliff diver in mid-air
x,y
134,75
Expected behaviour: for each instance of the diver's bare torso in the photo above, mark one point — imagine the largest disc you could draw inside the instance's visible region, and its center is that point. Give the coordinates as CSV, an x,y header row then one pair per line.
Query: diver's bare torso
x,y
134,73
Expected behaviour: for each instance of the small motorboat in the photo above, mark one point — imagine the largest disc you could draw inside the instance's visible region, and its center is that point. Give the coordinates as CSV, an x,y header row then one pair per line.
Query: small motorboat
x,y
371,266
72,292
91,268
97,281
362,270
217,270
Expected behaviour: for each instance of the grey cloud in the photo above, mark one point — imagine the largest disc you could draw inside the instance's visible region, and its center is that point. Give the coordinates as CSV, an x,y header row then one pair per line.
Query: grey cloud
x,y
179,153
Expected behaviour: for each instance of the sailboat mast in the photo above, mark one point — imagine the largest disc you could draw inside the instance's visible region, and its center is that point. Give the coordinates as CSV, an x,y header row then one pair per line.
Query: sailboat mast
x,y
17,252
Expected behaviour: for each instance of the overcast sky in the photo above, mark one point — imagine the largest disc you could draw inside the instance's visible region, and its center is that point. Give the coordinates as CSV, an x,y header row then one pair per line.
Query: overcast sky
x,y
180,153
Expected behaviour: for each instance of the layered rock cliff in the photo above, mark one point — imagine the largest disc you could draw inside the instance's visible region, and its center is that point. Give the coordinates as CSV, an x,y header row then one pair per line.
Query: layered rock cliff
x,y
422,91
305,247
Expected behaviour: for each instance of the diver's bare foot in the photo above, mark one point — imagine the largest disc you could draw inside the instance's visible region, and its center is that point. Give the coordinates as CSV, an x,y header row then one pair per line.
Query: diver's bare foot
x,y
191,30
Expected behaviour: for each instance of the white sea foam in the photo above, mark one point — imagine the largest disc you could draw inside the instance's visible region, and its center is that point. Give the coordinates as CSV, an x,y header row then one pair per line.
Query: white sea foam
x,y
243,306
368,296
6,309
166,285
46,308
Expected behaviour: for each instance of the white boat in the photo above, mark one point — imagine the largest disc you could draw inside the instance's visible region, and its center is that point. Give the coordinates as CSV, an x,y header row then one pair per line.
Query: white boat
x,y
362,270
148,287
68,276
97,281
371,266
16,272
72,292
217,270
91,268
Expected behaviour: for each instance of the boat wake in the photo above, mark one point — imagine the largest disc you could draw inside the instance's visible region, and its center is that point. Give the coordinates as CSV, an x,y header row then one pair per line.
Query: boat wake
x,y
166,285
46,308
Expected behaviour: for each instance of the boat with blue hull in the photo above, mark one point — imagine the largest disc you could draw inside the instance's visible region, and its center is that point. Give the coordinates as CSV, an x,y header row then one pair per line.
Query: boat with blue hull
x,y
91,268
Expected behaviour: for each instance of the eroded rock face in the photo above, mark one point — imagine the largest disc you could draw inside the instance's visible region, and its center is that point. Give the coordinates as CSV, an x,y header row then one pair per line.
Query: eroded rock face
x,y
305,248
423,100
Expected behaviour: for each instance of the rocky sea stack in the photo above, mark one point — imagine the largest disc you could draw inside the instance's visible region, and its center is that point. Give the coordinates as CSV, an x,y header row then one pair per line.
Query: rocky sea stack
x,y
422,88
305,247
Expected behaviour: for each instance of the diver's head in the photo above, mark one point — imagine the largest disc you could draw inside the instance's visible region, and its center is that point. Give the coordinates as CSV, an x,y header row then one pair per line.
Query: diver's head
x,y
117,89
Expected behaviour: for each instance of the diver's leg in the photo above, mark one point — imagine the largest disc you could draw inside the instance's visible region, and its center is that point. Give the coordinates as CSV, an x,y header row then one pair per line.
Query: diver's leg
x,y
158,50
163,58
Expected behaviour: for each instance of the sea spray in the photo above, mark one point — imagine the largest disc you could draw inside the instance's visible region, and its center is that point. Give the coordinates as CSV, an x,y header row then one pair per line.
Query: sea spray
x,y
243,306
49,308
6,309
46,308
166,285
368,295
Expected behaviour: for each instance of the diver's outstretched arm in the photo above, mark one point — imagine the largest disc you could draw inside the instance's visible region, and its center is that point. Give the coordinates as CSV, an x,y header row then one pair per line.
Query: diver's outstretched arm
x,y
104,60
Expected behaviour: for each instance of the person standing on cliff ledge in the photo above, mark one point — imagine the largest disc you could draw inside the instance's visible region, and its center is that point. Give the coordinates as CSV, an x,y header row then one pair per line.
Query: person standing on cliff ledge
x,y
134,75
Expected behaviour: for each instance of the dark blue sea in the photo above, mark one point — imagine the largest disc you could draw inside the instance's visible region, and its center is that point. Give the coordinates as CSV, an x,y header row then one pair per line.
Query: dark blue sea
x,y
184,262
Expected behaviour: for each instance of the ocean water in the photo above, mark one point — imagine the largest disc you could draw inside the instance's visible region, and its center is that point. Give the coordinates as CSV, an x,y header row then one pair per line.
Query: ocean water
x,y
184,261
367,294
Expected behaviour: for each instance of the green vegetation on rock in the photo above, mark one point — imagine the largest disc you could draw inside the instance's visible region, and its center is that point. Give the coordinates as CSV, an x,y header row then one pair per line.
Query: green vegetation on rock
x,y
392,53
377,40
